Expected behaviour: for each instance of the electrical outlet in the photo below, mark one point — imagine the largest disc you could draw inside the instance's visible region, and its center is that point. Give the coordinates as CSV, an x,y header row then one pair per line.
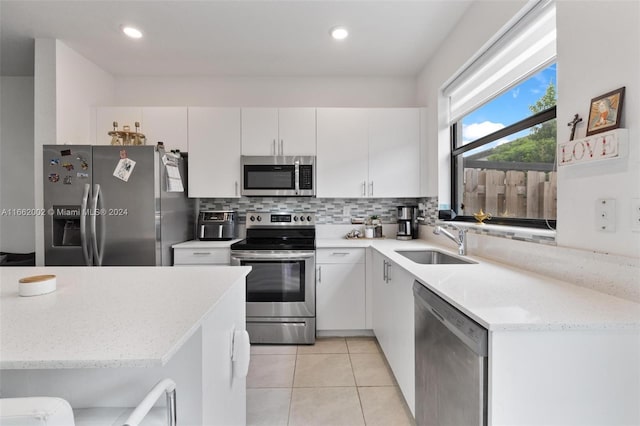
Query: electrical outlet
x,y
346,211
635,214
606,214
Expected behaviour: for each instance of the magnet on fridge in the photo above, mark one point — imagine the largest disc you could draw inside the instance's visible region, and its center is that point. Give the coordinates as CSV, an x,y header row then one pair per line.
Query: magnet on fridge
x,y
67,180
123,154
54,177
54,161
65,152
81,175
84,165
67,166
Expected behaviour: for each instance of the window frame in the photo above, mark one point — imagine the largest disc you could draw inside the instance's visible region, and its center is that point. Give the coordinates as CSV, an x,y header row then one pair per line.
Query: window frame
x,y
456,151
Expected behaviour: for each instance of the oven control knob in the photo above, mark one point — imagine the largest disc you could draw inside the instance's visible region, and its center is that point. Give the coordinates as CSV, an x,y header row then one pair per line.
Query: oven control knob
x,y
301,218
252,218
295,218
308,218
259,218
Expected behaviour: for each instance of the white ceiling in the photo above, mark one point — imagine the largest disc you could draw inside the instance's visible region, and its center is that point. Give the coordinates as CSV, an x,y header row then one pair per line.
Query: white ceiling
x,y
240,38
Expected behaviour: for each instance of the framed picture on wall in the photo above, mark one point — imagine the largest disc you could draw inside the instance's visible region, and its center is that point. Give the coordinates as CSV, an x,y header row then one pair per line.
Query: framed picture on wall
x,y
605,112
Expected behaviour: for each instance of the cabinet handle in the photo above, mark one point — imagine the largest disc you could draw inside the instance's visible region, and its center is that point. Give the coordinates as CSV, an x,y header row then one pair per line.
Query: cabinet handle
x,y
319,273
281,146
274,147
236,188
339,253
384,270
388,272
201,253
371,189
364,188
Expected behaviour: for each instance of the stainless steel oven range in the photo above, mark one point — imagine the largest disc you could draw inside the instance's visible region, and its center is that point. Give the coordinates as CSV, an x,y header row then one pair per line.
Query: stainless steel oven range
x,y
281,288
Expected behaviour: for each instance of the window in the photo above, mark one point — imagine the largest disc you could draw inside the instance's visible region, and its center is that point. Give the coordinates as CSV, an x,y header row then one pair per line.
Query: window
x,y
503,155
502,109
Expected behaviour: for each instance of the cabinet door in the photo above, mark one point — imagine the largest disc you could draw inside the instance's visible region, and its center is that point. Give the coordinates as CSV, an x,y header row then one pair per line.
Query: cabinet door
x,y
105,116
402,358
166,124
342,163
340,296
214,152
297,131
259,131
394,152
382,317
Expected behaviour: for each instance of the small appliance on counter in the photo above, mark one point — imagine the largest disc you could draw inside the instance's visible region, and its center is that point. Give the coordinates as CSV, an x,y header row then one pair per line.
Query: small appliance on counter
x,y
407,223
217,225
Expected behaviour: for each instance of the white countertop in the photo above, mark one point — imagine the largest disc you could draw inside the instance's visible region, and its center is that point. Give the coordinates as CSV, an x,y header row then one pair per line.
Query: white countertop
x,y
196,244
501,297
107,317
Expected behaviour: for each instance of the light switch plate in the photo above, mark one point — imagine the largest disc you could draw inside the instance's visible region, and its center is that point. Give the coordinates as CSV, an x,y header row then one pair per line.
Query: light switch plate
x,y
606,214
635,214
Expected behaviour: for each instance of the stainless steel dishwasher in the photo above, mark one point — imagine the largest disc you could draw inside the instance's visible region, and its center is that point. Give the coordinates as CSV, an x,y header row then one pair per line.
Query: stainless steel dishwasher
x,y
451,364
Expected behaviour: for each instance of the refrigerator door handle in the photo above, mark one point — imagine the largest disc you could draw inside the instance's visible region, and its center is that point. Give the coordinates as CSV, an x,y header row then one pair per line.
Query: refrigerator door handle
x,y
84,241
98,210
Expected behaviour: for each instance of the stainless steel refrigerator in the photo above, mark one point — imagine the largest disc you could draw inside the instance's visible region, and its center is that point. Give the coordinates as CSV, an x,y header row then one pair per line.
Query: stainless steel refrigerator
x,y
110,206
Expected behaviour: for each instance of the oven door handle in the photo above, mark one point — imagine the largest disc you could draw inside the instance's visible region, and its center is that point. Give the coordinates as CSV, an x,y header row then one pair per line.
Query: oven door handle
x,y
278,256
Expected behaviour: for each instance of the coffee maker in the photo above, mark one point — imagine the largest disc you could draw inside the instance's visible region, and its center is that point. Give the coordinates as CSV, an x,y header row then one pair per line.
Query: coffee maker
x,y
407,222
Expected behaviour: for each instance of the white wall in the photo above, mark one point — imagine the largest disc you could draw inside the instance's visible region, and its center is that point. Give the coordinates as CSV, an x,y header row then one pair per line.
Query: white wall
x,y
80,84
266,91
17,233
590,65
581,76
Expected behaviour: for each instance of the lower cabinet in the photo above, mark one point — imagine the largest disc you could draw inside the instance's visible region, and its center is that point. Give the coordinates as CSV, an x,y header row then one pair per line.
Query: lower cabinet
x,y
393,321
201,256
340,289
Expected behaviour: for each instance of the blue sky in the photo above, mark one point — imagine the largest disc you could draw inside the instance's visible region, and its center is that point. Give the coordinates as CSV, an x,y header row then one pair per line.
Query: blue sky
x,y
508,108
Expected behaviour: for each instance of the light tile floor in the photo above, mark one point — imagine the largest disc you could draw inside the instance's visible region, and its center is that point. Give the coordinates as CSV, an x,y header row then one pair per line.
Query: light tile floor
x,y
338,381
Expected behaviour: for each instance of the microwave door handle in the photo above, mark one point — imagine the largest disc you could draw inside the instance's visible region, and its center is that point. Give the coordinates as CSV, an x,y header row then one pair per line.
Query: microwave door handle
x,y
297,177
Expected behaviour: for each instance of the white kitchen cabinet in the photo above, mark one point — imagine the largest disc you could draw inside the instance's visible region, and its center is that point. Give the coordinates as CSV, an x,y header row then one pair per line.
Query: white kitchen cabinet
x,y
273,131
166,124
342,159
394,152
393,322
368,152
105,116
214,152
340,289
201,256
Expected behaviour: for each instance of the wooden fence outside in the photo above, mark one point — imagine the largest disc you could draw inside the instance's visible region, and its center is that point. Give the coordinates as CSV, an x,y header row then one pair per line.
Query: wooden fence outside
x,y
512,193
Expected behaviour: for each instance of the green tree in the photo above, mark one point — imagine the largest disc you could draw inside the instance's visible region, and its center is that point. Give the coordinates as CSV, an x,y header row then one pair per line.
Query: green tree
x,y
538,146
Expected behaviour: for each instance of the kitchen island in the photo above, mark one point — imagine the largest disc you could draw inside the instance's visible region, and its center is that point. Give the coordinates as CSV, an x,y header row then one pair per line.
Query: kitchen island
x,y
107,335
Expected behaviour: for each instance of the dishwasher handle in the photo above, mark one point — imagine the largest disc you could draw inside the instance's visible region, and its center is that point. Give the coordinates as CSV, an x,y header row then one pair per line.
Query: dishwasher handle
x,y
467,330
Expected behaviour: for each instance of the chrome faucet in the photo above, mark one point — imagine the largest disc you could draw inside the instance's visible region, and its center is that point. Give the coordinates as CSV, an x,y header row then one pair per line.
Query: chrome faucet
x,y
460,240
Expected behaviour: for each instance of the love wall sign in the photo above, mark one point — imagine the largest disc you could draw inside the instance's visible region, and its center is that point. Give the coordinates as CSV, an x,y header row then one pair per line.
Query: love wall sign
x,y
593,148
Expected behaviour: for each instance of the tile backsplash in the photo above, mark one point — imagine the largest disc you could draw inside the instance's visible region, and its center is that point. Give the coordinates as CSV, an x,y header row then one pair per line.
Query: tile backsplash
x,y
328,210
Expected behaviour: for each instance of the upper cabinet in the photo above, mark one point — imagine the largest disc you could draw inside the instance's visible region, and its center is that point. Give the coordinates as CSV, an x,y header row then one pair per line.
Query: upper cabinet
x,y
214,152
166,124
342,160
368,152
394,152
273,131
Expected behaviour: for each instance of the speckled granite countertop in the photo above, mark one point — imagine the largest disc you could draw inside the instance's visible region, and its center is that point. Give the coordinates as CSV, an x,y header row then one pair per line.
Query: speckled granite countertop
x,y
501,297
107,317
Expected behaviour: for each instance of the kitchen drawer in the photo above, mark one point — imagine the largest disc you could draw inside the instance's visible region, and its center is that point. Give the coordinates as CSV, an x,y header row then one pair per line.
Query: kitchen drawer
x,y
201,256
340,255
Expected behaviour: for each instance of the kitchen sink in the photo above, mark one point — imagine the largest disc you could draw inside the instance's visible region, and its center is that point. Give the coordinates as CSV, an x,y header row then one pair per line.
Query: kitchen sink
x,y
433,257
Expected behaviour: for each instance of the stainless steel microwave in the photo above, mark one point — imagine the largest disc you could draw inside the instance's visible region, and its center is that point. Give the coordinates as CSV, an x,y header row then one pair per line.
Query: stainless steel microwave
x,y
279,176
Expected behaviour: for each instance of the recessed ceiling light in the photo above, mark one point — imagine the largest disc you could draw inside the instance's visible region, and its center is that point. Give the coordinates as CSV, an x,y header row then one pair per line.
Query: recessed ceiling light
x,y
339,33
132,32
